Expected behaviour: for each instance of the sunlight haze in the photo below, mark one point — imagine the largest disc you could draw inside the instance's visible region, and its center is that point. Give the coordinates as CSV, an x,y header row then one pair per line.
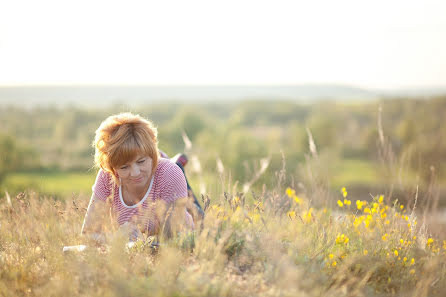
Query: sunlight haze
x,y
371,44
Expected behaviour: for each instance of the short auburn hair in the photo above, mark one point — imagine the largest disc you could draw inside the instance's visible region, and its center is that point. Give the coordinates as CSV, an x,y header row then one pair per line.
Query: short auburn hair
x,y
120,138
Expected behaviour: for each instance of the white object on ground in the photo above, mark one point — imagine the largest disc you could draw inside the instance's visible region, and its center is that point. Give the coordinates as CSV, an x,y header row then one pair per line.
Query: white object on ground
x,y
74,248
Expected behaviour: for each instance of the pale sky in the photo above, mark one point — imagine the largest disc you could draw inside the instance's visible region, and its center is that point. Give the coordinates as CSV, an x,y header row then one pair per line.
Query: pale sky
x,y
372,44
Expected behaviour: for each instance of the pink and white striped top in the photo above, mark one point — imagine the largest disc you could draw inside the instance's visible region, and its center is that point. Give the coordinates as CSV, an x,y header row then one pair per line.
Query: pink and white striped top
x,y
167,184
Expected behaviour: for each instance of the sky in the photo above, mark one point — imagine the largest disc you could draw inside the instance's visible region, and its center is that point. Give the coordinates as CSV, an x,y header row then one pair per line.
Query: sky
x,y
372,44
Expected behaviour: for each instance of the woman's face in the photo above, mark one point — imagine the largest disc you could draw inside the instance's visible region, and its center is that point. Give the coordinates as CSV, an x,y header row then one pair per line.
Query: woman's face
x,y
135,173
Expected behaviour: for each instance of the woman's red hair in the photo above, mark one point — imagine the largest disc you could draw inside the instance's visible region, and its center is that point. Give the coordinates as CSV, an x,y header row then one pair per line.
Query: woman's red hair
x,y
120,138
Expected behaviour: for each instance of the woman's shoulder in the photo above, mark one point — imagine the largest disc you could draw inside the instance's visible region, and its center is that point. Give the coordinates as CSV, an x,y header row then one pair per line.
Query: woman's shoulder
x,y
103,185
166,165
170,180
167,170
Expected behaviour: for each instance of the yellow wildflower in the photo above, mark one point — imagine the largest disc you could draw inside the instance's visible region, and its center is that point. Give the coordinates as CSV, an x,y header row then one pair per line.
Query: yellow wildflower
x,y
341,238
365,252
308,215
331,256
290,192
291,214
402,206
384,237
381,198
344,192
340,203
396,253
430,241
404,259
359,204
333,264
347,202
367,210
412,261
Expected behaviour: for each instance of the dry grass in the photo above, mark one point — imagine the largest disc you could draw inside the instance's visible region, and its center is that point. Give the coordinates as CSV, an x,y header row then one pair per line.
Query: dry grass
x,y
277,245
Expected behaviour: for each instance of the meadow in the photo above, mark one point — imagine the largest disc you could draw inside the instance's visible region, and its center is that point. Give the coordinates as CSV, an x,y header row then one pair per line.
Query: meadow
x,y
299,201
274,243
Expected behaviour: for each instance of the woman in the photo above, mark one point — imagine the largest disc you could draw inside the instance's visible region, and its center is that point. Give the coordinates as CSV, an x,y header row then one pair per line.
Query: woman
x,y
137,186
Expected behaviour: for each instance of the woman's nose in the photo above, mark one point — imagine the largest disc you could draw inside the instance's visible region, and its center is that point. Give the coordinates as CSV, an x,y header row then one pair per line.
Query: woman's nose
x,y
134,170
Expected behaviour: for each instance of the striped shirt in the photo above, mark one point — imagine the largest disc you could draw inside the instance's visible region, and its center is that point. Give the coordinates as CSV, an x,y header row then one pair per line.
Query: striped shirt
x,y
167,184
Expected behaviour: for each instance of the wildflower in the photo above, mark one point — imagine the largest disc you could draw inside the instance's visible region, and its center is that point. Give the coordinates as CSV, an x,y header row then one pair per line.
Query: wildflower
x,y
291,214
256,217
340,203
404,259
236,200
402,206
412,261
331,256
365,252
344,192
383,215
357,222
387,222
396,253
341,238
381,198
347,202
359,204
384,237
414,238
430,241
367,210
290,192
333,264
298,200
308,215
401,241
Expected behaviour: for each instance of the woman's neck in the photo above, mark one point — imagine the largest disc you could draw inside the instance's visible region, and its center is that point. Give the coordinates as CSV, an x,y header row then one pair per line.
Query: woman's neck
x,y
136,193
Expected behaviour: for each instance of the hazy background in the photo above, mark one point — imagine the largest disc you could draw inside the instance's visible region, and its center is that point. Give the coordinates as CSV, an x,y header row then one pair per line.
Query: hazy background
x,y
245,81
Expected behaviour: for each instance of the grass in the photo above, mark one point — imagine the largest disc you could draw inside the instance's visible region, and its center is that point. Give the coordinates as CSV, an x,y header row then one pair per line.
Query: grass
x,y
353,171
59,184
277,245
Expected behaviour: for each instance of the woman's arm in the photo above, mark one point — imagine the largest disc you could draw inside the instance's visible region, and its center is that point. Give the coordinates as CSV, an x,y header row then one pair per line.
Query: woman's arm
x,y
95,217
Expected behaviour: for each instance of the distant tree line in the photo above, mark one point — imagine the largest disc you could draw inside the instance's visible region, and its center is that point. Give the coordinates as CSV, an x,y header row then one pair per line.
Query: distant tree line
x,y
237,133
